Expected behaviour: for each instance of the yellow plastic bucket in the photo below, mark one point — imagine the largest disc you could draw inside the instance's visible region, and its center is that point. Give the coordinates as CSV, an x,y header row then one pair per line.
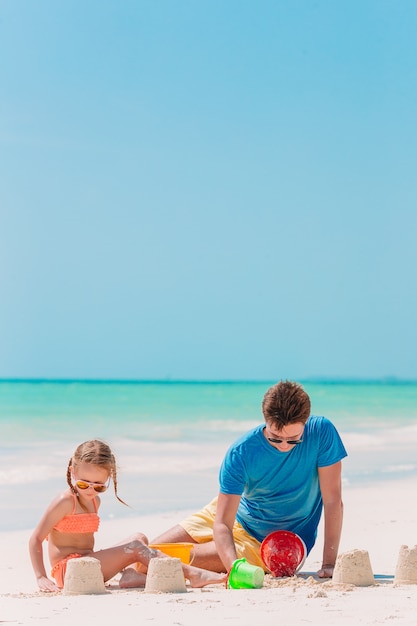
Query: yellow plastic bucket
x,y
179,550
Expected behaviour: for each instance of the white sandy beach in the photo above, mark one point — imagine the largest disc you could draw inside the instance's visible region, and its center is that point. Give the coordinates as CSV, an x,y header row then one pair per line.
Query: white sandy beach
x,y
378,518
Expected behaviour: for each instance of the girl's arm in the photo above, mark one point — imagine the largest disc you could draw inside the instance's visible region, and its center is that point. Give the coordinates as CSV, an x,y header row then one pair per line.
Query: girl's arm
x,y
36,556
57,509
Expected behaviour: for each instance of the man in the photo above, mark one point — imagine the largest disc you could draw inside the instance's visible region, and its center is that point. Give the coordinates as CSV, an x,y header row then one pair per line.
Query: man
x,y
278,476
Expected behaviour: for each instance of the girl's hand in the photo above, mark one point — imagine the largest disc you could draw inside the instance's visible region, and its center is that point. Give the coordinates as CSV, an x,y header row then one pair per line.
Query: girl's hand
x,y
45,584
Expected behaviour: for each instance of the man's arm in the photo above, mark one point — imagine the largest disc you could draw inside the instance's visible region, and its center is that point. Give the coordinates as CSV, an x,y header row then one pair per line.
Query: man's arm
x,y
227,506
330,478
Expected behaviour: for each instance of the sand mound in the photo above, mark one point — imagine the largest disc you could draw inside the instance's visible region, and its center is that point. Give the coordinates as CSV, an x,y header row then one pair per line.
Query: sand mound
x,y
406,570
354,568
165,576
83,576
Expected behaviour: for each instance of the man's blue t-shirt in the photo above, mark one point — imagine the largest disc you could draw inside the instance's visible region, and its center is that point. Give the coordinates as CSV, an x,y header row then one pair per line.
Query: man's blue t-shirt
x,y
280,490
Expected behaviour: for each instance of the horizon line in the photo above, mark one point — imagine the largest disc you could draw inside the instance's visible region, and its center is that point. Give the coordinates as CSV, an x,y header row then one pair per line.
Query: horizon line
x,y
133,381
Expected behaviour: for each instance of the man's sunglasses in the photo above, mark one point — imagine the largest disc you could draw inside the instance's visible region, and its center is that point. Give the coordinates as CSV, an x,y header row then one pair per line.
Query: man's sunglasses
x,y
99,487
291,442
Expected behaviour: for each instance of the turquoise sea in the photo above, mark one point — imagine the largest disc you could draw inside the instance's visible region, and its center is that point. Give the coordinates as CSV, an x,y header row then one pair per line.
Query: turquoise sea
x,y
169,437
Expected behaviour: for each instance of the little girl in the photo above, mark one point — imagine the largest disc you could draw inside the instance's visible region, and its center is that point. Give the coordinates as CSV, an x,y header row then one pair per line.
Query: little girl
x,y
70,521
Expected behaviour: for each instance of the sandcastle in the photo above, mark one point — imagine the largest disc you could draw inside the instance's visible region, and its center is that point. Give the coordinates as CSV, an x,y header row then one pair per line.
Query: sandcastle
x,y
83,576
406,570
165,575
354,568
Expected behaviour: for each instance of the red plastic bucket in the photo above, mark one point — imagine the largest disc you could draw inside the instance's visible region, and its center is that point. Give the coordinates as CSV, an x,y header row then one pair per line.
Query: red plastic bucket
x,y
283,553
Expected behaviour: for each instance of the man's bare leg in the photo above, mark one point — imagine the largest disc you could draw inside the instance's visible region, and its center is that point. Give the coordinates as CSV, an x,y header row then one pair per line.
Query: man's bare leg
x,y
176,534
203,555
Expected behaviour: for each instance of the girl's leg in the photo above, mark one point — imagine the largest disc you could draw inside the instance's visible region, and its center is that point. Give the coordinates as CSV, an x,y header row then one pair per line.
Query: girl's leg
x,y
115,559
133,550
201,577
135,537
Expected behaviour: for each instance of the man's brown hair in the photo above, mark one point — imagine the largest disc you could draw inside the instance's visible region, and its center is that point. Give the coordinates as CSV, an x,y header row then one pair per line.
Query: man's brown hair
x,y
286,403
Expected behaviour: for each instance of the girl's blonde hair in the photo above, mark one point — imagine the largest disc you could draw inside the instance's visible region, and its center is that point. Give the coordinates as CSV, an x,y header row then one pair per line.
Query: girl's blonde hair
x,y
95,452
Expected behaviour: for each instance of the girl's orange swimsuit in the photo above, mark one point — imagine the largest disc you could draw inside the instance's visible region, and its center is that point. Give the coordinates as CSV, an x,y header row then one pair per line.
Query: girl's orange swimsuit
x,y
81,523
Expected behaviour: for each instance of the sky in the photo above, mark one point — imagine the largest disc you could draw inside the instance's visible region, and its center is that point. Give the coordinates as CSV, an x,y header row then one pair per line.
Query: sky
x,y
208,190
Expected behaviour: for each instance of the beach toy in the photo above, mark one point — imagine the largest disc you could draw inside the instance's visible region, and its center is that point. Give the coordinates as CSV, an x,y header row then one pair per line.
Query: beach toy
x,y
354,568
165,576
283,553
83,576
178,550
243,575
406,570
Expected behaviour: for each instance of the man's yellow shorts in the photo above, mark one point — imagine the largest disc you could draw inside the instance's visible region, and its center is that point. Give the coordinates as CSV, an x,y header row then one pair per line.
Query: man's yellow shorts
x,y
200,527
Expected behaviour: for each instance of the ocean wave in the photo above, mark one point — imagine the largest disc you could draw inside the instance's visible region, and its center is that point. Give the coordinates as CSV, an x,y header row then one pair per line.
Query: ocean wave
x,y
382,439
133,458
27,474
400,468
34,462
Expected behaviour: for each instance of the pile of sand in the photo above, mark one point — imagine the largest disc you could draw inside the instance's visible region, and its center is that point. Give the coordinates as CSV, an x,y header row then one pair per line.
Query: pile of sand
x,y
83,576
406,570
354,568
165,575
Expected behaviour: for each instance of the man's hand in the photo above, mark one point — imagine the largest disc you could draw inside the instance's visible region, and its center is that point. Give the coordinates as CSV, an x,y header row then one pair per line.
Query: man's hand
x,y
326,571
